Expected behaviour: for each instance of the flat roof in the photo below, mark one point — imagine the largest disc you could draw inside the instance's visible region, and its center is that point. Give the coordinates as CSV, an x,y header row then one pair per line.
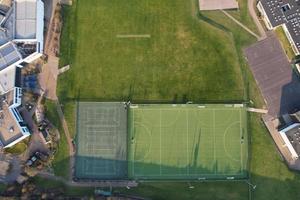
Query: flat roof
x,y
9,127
26,17
293,136
284,12
7,80
8,55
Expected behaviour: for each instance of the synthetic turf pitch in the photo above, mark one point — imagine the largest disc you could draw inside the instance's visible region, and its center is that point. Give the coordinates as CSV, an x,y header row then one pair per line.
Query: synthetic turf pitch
x,y
187,142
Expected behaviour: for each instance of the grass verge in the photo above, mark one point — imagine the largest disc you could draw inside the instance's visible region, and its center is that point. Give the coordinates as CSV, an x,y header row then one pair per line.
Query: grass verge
x,y
18,148
48,184
60,163
285,43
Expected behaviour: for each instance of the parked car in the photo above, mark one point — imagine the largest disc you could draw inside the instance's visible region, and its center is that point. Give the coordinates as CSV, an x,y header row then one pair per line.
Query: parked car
x,y
31,161
41,156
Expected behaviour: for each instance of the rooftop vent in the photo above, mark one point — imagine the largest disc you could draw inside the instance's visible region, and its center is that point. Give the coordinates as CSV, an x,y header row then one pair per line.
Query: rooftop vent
x,y
285,7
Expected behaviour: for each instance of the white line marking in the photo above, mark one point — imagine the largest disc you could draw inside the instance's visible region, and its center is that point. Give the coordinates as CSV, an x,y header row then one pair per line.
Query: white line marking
x,y
160,141
224,141
241,129
187,141
133,152
215,161
134,36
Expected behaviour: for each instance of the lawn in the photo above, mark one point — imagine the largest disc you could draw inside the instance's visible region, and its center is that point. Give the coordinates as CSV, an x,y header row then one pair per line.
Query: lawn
x,y
243,15
180,58
47,184
285,43
178,191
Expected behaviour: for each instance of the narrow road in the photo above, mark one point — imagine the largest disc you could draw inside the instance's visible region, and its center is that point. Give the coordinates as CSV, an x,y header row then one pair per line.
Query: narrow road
x,y
252,12
241,25
108,183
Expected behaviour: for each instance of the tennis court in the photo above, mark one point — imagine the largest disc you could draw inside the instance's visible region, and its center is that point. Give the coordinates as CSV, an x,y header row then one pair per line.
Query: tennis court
x,y
101,141
187,142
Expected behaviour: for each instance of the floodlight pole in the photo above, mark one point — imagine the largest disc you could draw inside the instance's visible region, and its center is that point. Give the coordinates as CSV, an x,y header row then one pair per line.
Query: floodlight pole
x,y
190,185
253,186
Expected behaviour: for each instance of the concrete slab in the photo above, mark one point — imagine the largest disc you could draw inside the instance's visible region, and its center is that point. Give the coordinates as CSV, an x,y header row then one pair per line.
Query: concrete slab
x,y
218,4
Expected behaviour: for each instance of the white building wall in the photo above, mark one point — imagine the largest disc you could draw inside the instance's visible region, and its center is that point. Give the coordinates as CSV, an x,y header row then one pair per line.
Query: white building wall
x,y
287,141
40,26
32,57
17,141
289,37
264,16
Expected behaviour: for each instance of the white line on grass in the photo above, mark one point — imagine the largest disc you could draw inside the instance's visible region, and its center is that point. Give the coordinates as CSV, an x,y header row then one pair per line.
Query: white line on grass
x,y
224,141
134,36
214,141
187,140
240,142
160,141
133,152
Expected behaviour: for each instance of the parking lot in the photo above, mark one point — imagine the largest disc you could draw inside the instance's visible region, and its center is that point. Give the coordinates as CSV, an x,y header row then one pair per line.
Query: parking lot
x,y
278,83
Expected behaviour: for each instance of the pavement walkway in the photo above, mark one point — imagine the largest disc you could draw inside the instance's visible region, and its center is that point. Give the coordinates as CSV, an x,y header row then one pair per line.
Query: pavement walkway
x,y
252,12
258,110
240,24
108,183
48,77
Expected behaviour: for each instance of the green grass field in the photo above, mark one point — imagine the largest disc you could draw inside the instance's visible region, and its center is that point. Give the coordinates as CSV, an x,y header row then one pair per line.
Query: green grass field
x,y
187,142
191,59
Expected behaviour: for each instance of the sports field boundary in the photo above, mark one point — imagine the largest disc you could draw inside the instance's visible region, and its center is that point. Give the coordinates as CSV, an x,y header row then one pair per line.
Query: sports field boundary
x,y
176,177
181,108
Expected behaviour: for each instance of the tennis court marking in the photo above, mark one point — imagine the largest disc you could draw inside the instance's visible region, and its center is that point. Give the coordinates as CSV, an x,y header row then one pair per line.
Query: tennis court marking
x,y
214,126
91,170
95,153
90,119
94,146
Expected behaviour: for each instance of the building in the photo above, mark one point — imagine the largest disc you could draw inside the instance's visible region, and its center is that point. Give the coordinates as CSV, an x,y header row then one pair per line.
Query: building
x,y
291,138
21,42
285,13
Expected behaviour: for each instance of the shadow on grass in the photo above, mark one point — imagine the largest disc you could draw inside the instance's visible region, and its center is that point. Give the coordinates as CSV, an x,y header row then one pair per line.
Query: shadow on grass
x,y
266,188
95,168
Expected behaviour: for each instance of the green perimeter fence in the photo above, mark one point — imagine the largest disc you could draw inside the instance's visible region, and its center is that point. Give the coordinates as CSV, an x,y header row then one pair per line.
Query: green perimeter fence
x,y
161,141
